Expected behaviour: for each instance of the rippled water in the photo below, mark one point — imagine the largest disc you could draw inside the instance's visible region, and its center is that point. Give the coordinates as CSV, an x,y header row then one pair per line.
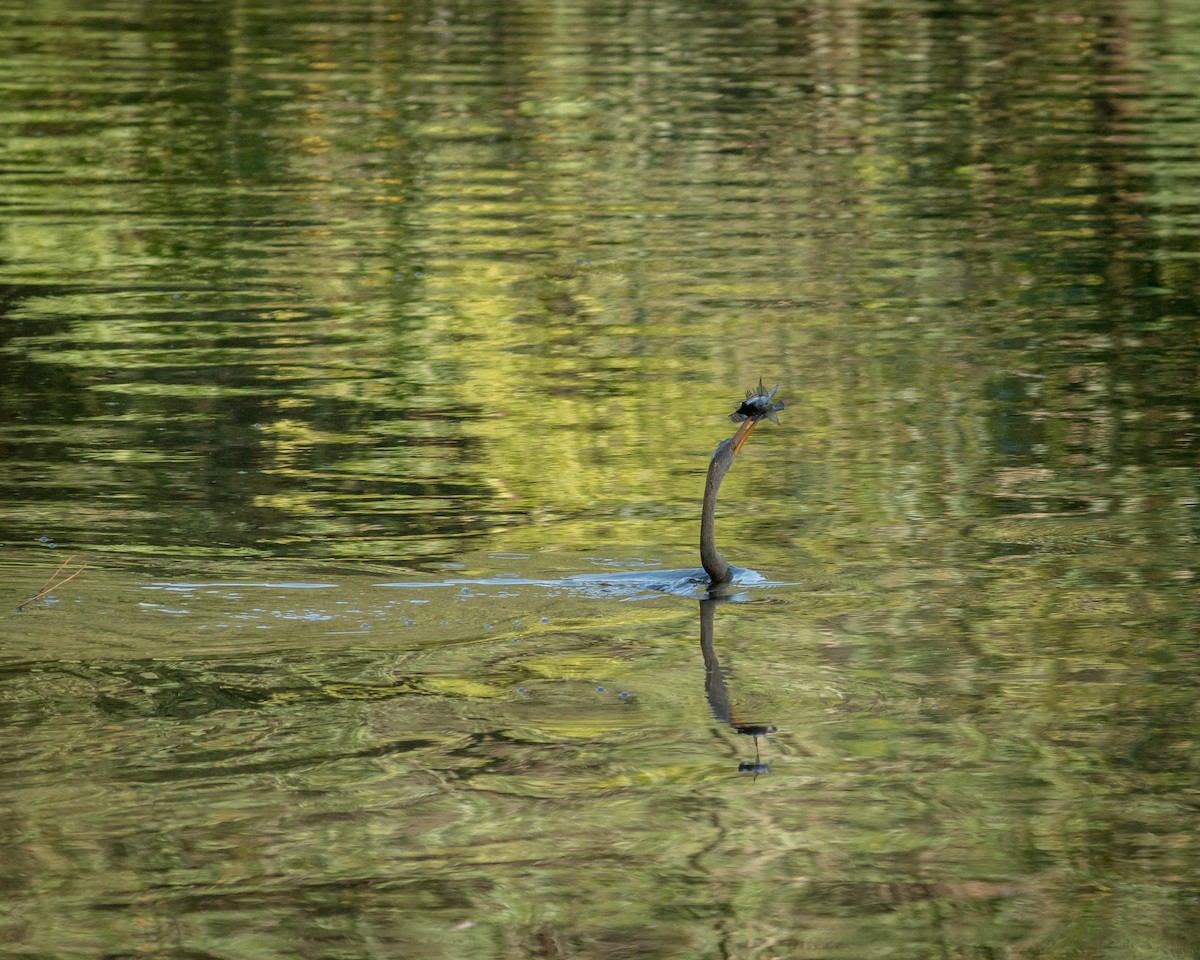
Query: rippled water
x,y
366,360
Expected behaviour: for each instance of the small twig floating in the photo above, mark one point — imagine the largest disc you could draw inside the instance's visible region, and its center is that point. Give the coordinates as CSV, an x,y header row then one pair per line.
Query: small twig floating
x,y
54,583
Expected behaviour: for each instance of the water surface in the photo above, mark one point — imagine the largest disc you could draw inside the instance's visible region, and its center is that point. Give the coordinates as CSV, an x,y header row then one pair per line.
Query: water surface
x,y
371,357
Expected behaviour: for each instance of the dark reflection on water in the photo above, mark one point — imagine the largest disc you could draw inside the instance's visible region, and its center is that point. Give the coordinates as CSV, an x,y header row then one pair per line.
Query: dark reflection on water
x,y
426,239
371,357
717,692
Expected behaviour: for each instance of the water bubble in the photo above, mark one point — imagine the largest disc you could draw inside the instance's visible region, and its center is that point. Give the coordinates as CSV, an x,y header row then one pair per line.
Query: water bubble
x,y
516,640
545,619
43,539
624,694
599,689
521,690
52,545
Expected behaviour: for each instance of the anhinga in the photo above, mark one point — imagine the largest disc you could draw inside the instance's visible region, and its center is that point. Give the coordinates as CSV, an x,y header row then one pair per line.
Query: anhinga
x,y
758,404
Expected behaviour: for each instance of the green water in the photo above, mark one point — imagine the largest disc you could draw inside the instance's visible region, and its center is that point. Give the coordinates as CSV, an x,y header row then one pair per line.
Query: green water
x,y
367,358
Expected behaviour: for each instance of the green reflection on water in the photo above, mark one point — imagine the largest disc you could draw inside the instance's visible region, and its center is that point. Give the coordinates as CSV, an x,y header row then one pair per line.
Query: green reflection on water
x,y
394,288
437,766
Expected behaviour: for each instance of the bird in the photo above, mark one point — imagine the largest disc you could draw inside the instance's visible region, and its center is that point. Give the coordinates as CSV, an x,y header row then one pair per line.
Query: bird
x,y
759,405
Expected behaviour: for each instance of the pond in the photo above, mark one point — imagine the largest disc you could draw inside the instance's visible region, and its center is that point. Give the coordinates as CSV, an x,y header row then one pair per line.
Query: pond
x,y
361,365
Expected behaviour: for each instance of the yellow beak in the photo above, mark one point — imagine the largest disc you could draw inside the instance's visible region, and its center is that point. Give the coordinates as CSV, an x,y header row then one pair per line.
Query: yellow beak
x,y
742,434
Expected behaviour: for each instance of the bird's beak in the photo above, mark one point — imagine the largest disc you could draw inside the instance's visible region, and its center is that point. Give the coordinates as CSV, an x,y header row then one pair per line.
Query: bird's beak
x,y
742,434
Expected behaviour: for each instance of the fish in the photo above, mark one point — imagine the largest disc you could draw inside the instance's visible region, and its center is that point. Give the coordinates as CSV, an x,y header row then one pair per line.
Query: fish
x,y
758,403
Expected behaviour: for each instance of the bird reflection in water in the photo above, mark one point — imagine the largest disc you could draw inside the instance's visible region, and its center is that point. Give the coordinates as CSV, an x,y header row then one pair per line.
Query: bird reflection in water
x,y
717,693
759,404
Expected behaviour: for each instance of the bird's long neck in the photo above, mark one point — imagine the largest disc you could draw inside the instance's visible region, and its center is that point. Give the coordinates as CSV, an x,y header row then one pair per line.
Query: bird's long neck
x,y
714,564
